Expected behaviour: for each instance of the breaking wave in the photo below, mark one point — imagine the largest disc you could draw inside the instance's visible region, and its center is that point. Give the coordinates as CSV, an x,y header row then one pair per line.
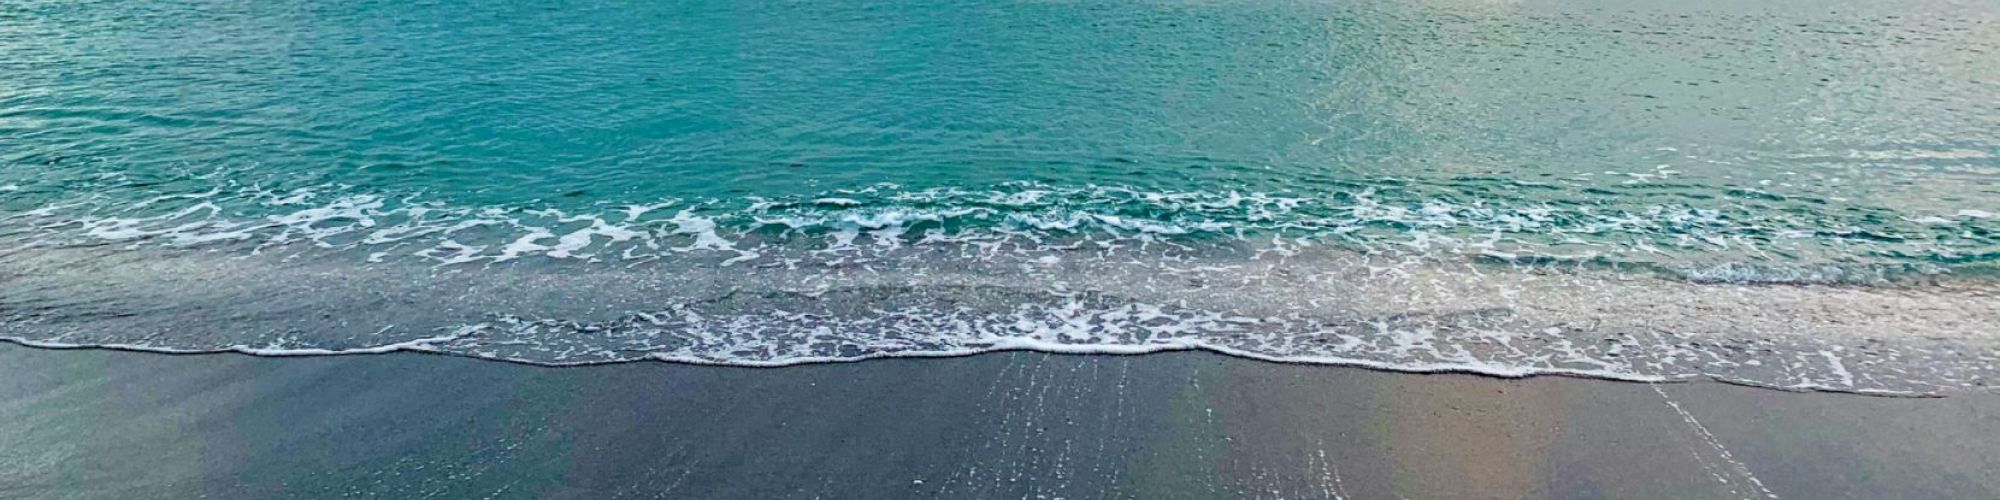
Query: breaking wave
x,y
1743,241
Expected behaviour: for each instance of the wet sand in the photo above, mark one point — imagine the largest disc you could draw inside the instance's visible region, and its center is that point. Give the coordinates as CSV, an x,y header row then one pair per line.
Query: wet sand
x,y
106,424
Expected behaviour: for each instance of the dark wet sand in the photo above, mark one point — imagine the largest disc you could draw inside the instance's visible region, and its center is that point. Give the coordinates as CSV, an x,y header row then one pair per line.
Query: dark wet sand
x,y
101,424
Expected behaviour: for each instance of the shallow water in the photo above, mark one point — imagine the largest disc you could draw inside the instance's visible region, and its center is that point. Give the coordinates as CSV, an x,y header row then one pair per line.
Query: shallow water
x,y
1796,194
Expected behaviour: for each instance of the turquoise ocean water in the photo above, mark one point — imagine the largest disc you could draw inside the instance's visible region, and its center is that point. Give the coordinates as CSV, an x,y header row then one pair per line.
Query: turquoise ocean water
x,y
1796,194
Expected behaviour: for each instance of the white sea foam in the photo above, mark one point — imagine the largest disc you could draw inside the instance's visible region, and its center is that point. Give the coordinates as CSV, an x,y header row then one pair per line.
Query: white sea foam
x,y
1097,270
1364,219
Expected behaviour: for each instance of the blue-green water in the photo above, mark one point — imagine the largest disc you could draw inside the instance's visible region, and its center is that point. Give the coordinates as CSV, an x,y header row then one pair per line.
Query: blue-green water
x,y
842,180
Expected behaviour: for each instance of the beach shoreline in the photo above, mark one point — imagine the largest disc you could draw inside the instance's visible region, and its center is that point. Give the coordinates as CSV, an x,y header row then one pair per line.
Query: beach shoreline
x,y
1322,306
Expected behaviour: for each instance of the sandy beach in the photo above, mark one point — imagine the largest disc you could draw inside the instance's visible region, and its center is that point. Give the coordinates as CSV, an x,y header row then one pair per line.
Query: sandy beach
x,y
107,424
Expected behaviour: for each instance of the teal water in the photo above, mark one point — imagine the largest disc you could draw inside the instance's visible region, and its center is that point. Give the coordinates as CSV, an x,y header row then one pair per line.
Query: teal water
x,y
588,164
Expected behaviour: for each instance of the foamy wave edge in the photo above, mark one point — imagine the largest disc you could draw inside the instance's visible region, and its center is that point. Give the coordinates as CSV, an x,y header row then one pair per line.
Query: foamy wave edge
x,y
422,346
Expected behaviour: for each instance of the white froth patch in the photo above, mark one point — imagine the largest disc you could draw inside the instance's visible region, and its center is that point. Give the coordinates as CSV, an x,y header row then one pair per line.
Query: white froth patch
x,y
634,212
702,229
527,244
295,197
